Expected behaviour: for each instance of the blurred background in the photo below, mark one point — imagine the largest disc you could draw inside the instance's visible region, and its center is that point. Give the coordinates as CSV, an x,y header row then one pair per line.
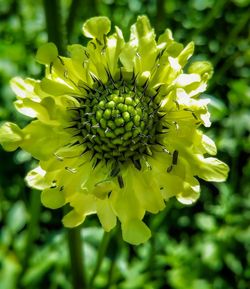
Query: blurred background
x,y
204,246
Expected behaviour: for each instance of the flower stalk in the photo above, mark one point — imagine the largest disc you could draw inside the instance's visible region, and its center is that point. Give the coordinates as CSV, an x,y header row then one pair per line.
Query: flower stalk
x,y
54,25
33,227
101,254
76,257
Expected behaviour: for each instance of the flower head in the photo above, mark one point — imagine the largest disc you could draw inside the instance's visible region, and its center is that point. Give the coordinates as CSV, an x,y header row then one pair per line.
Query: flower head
x,y
116,127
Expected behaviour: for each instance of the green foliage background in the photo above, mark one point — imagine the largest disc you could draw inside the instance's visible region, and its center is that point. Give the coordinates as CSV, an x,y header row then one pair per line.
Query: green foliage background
x,y
205,246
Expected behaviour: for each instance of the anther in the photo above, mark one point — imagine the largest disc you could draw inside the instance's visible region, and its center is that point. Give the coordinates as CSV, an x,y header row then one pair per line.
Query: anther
x,y
91,42
50,67
193,114
169,169
86,54
120,181
137,164
175,157
98,41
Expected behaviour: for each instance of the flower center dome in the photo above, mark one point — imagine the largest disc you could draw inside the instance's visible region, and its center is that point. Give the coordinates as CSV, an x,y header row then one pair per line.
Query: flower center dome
x,y
118,120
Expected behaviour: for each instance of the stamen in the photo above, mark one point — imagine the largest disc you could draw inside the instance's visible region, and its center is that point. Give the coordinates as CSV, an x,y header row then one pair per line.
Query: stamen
x,y
175,157
137,164
50,67
91,42
169,169
86,53
98,41
120,181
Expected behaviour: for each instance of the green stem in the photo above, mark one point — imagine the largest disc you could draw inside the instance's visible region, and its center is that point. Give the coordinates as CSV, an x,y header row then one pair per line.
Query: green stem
x,y
160,15
52,9
74,7
111,272
33,227
101,254
76,258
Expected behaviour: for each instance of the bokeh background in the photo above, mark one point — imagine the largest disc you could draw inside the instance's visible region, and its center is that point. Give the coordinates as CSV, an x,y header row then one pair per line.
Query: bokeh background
x,y
204,246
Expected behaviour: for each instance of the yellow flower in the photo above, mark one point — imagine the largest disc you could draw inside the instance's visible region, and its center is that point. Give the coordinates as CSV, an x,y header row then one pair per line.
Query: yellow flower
x,y
116,127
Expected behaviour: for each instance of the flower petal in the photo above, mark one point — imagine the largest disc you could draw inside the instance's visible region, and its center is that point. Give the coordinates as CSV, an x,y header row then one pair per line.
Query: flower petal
x,y
42,140
208,145
73,219
53,198
204,68
47,53
135,232
105,214
11,136
36,178
190,192
212,169
96,27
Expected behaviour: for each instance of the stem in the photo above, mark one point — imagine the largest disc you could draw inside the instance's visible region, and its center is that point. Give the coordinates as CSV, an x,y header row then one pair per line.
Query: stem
x,y
160,15
101,253
76,258
74,7
111,272
55,31
33,227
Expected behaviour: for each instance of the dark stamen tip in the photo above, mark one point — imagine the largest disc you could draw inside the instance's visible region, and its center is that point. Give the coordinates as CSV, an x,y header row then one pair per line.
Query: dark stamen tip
x,y
120,181
169,169
175,157
137,164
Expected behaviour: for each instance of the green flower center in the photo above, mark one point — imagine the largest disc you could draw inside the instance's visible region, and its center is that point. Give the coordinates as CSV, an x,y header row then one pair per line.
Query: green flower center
x,y
118,120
